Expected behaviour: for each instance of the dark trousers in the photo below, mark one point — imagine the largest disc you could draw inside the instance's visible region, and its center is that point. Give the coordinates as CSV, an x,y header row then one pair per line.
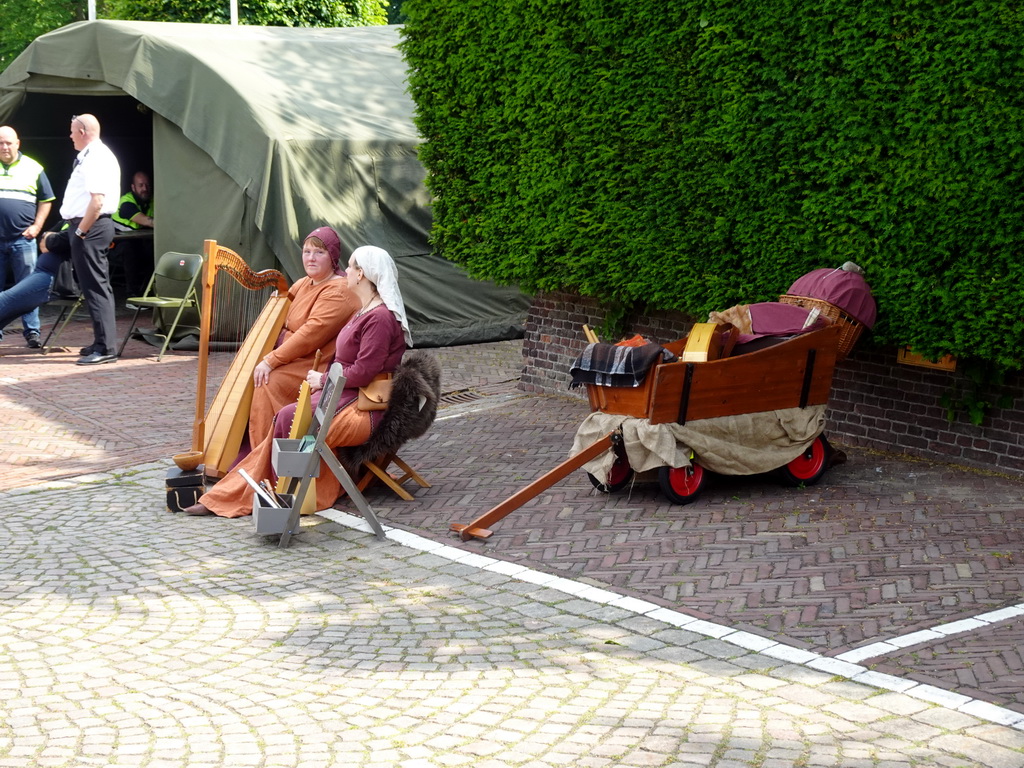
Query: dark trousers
x,y
89,258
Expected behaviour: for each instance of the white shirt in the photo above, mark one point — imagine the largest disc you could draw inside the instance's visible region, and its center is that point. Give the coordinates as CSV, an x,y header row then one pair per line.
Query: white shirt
x,y
96,171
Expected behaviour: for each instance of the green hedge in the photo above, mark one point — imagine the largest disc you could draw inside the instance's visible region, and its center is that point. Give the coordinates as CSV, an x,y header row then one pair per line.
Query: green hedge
x,y
692,155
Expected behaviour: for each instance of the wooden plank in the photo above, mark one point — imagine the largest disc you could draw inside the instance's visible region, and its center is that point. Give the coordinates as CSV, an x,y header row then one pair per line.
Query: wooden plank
x,y
767,380
622,401
479,529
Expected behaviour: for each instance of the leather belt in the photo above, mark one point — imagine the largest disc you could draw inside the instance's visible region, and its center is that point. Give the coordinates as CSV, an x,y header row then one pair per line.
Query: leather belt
x,y
78,219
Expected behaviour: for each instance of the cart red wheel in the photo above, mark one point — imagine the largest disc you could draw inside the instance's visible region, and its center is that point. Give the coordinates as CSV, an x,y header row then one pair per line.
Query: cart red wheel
x,y
808,467
618,476
682,485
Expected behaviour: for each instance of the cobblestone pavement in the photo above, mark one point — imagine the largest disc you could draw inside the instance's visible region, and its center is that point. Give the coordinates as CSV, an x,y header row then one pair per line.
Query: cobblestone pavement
x,y
134,637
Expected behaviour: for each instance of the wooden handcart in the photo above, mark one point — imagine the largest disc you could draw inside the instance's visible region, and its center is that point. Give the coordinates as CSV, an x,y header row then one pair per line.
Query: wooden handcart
x,y
795,373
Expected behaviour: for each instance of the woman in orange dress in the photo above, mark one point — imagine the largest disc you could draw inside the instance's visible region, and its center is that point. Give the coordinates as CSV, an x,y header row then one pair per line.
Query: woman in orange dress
x,y
321,305
372,343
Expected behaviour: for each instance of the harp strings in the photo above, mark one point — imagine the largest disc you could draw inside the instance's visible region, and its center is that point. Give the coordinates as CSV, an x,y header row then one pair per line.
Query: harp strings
x,y
235,309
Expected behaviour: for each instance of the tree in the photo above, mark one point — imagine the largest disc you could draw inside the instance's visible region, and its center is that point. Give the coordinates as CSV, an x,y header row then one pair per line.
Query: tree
x,y
33,19
36,18
297,13
395,14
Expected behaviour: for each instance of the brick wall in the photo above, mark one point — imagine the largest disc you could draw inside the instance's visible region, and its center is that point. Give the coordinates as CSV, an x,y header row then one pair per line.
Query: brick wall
x,y
876,403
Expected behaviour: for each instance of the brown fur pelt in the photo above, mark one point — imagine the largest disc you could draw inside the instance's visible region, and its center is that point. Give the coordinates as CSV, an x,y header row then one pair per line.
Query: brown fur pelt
x,y
418,375
738,315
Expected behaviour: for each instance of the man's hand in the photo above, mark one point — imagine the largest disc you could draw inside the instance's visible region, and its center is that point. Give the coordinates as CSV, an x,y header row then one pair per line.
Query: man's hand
x,y
30,232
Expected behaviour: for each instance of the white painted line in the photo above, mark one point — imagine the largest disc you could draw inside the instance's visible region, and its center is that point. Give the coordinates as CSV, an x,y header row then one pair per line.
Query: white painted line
x,y
1010,612
634,604
535,577
449,553
915,638
837,667
889,682
708,628
350,521
986,711
938,696
598,595
675,618
413,540
569,586
867,652
475,560
956,627
506,568
749,641
791,654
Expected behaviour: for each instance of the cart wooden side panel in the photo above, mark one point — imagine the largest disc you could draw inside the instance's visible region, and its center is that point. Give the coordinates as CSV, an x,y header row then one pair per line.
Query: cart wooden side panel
x,y
629,401
795,373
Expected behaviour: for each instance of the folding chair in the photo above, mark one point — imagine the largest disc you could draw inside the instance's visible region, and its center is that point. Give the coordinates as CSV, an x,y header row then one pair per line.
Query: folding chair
x,y
377,470
172,286
69,305
310,457
415,392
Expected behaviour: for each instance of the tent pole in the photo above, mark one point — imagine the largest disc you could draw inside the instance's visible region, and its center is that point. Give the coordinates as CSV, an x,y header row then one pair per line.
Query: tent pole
x,y
234,12
92,10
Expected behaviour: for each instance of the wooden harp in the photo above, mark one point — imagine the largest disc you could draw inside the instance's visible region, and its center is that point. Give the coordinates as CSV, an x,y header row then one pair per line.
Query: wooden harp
x,y
218,432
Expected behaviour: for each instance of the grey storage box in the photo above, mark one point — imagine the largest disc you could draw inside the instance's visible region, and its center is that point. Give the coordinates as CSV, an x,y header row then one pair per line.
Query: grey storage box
x,y
289,461
267,521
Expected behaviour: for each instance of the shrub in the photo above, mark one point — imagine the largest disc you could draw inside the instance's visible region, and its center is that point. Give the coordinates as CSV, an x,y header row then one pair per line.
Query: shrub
x,y
688,156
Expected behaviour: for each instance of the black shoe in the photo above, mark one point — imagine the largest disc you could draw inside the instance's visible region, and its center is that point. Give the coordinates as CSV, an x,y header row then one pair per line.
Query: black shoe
x,y
86,351
96,359
32,340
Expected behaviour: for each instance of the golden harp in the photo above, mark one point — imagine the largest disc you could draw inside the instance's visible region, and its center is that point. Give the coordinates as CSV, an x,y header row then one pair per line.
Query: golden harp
x,y
218,431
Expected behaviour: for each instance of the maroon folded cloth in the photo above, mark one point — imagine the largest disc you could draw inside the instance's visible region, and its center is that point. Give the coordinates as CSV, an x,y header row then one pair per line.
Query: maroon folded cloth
x,y
847,290
772,318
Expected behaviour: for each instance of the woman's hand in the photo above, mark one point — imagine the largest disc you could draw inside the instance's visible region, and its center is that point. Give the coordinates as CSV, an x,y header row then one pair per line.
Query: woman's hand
x,y
261,375
315,380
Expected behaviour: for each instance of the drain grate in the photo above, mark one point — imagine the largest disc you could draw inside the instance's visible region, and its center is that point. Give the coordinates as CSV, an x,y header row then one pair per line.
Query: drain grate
x,y
460,397
472,394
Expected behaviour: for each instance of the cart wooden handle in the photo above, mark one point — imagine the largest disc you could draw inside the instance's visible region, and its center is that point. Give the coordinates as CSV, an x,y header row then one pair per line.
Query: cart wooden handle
x,y
478,529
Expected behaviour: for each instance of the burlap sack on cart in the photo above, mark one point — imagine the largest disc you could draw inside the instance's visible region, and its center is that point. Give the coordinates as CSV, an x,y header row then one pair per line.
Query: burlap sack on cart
x,y
730,445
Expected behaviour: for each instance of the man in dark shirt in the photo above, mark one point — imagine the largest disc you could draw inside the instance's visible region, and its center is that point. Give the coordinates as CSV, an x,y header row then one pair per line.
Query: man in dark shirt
x,y
25,201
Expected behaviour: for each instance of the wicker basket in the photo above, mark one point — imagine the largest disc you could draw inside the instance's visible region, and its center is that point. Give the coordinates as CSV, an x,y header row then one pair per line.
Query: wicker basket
x,y
851,327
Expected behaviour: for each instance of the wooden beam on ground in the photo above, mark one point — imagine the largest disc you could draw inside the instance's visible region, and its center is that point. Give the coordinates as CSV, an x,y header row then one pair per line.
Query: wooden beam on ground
x,y
479,528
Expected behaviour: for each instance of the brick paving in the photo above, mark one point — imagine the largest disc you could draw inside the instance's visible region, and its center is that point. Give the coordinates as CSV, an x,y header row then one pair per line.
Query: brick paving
x,y
883,547
132,637
58,419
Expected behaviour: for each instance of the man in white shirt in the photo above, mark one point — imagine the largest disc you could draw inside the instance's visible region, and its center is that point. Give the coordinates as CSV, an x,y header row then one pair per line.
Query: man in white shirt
x,y
89,201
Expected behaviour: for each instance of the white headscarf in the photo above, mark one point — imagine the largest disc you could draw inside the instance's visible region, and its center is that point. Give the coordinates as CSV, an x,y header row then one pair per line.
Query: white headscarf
x,y
380,269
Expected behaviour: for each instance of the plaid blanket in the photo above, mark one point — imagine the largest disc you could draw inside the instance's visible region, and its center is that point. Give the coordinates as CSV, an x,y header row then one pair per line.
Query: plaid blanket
x,y
609,365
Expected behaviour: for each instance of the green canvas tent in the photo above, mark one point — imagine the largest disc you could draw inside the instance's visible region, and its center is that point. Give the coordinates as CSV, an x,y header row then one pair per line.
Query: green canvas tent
x,y
256,135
